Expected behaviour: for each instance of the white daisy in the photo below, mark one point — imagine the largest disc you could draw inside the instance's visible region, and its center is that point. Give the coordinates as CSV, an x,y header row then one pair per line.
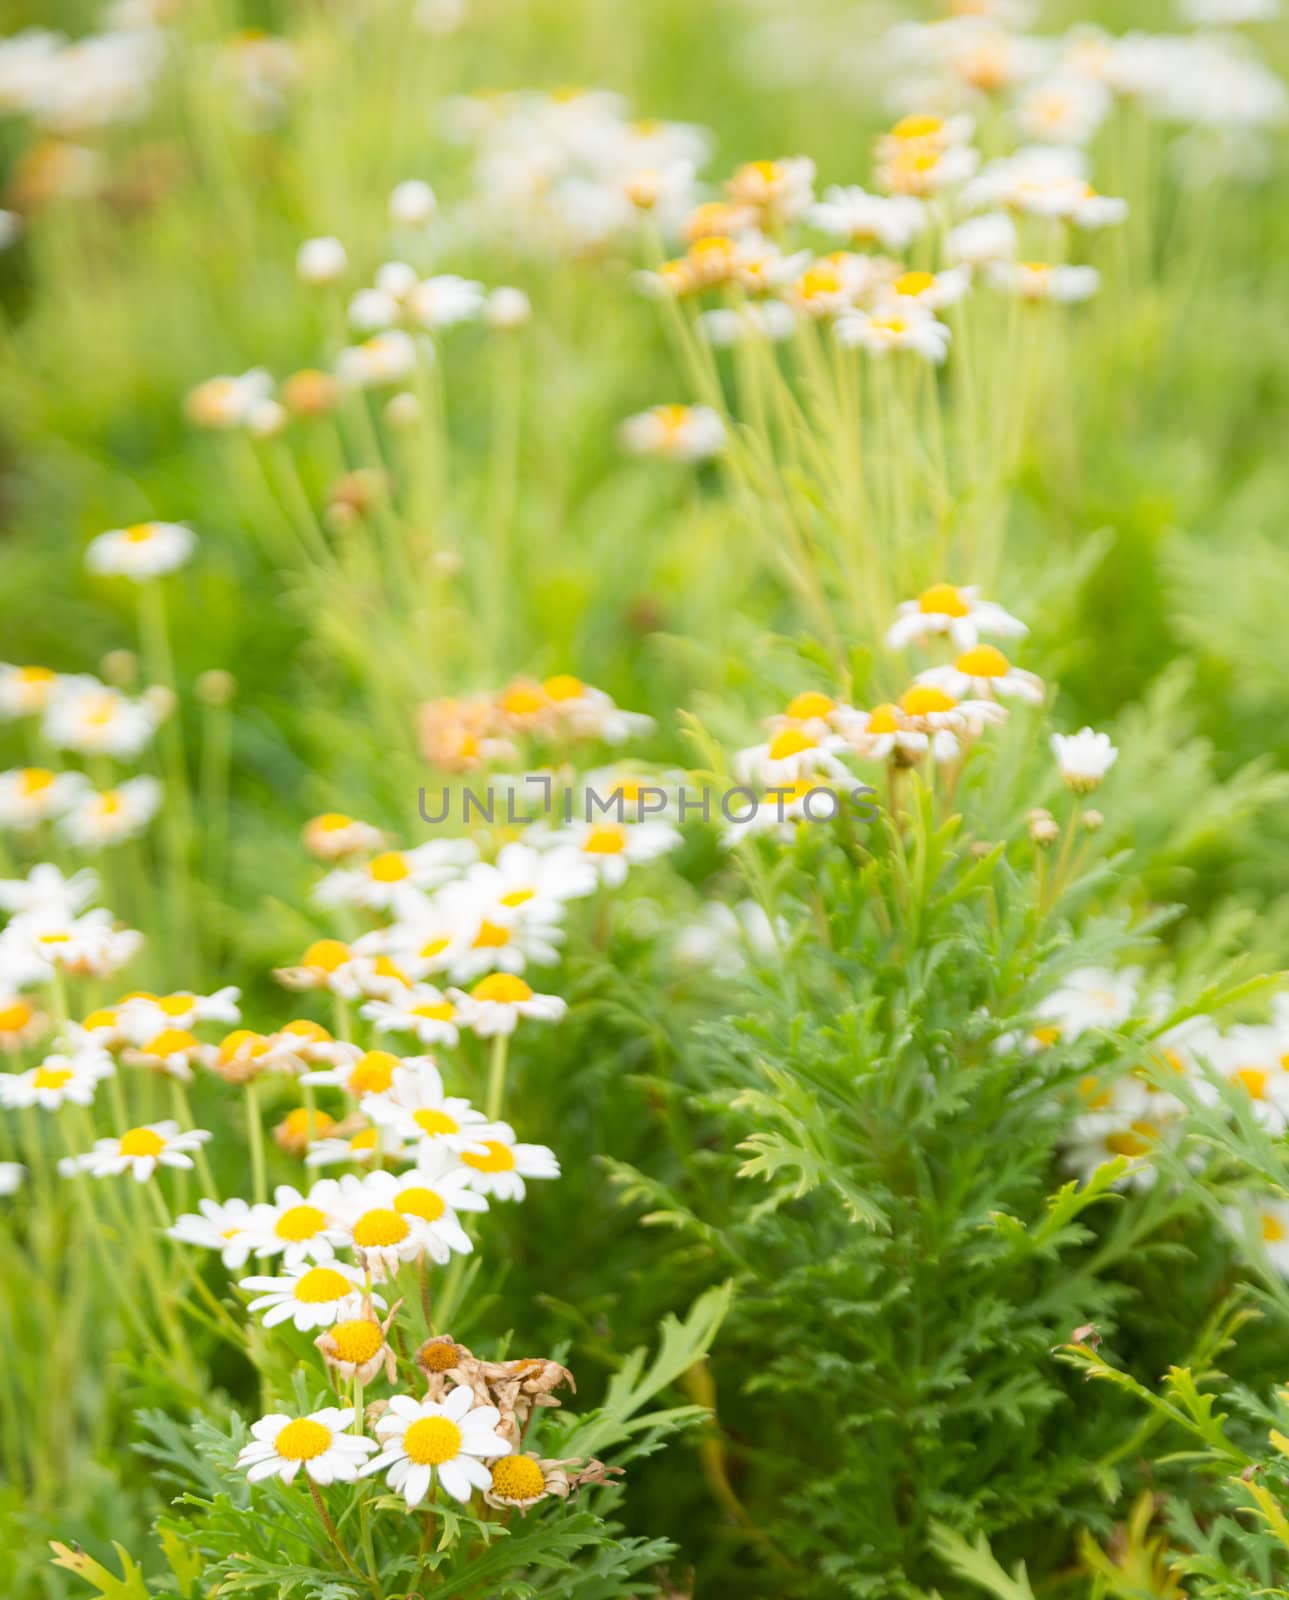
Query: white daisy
x,y
675,433
985,672
141,1017
217,1225
32,795
495,1004
500,1168
144,550
25,691
612,847
1084,758
320,1443
46,889
851,213
228,401
451,1438
421,1010
59,1078
111,816
302,1229
416,1107
139,1151
321,261
1267,1220
1040,280
959,613
901,324
444,301
92,719
12,1176
396,878
357,1072
309,1296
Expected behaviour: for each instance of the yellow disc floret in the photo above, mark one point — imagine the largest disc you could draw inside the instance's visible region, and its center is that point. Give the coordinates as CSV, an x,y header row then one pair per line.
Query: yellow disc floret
x,y
432,1440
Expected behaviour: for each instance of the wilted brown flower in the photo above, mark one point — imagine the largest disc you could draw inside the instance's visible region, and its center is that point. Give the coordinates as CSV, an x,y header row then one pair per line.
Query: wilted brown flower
x,y
514,1387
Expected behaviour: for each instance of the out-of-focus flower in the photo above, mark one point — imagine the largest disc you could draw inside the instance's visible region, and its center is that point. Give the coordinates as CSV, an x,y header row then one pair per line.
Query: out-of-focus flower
x,y
1084,758
675,432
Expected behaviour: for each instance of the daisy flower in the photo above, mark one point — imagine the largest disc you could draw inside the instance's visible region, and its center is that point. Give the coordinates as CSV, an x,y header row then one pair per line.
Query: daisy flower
x,y
1040,280
611,848
528,882
396,877
87,946
333,835
46,889
1265,1219
138,1151
58,1079
227,401
1098,1139
416,1107
302,1229
12,1176
1067,109
363,1146
789,754
675,433
217,1225
343,970
356,1349
171,1052
886,731
303,1043
386,358
309,1296
984,672
981,240
499,1169
584,712
421,1010
495,1004
320,1443
141,1017
444,301
959,613
1084,758
144,550
851,213
1091,997
450,1439
426,1199
92,719
1250,1059
321,261
357,1072
898,325
934,290
31,795
777,191
112,815
25,691
19,1021
929,708
412,203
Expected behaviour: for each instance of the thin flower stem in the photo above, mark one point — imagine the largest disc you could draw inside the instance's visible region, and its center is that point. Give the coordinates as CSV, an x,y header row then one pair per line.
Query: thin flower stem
x,y
497,1076
255,1135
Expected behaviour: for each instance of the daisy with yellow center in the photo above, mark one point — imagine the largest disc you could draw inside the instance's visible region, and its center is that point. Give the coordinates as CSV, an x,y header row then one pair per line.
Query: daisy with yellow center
x,y
300,1128
139,1151
518,1481
24,691
958,613
793,751
333,835
778,191
343,970
310,1296
1263,1224
674,433
416,1108
20,1021
983,672
145,550
99,819
496,1003
427,1198
898,324
1041,280
320,1443
92,719
32,795
171,1052
395,878
301,1228
499,1165
356,1350
64,1078
888,732
222,1226
1251,1060
447,1440
357,1072
421,1010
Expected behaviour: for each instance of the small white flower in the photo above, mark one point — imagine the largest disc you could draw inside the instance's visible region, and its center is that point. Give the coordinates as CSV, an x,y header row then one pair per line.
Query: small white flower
x,y
92,719
12,1176
320,1443
612,847
46,890
309,1296
412,203
302,1229
25,691
387,358
959,613
892,221
500,1167
392,1220
228,401
1067,109
139,1151
59,1079
901,324
217,1226
1091,997
1267,1220
1084,758
147,549
444,301
985,672
1040,280
496,1003
450,1439
507,309
415,1106
396,878
101,818
420,1010
321,261
675,433
32,795
142,1017
981,240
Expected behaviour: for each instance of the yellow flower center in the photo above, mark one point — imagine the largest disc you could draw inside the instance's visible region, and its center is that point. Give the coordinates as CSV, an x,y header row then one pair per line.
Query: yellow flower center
x,y
605,839
522,700
380,1227
298,1223
34,780
518,1478
302,1440
516,898
1046,1034
917,127
171,1042
16,1015
420,1202
175,1005
432,1123
321,1284
495,1158
389,867
332,822
1253,1080
435,1011
141,1142
818,280
983,661
790,742
363,1142
563,686
356,1341
1273,1230
302,1124
309,1032
373,1072
242,1044
51,1077
491,936
804,707
914,284
882,719
434,947
432,1440
942,600
923,700
1133,1141
141,532
326,955
504,988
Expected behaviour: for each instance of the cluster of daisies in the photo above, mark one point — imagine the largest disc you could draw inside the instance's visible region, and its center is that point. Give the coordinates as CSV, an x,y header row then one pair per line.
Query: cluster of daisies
x,y
1136,1114
800,767
396,318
